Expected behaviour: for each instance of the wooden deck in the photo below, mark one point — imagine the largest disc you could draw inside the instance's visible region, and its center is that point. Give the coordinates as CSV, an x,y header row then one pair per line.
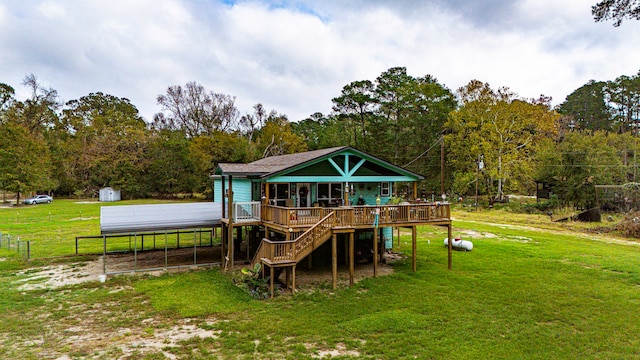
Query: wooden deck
x,y
307,229
358,217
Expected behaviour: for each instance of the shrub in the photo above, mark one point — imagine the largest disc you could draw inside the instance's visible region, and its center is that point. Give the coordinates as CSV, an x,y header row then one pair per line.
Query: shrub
x,y
253,282
630,224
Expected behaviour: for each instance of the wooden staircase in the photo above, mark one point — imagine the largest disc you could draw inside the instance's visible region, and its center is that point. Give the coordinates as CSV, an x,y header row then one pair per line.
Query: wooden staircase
x,y
289,253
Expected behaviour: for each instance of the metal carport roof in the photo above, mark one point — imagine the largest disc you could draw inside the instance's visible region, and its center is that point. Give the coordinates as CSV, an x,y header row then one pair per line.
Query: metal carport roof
x,y
159,217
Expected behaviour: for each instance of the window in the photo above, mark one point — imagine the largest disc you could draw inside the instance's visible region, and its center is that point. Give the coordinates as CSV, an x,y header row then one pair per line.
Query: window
x,y
278,193
385,189
330,194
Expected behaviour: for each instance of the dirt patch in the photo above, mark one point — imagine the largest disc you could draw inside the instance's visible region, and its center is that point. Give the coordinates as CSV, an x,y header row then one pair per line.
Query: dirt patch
x,y
56,276
159,259
340,350
162,341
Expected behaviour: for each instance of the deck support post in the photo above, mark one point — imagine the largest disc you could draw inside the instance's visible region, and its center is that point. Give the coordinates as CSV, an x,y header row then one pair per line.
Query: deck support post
x,y
351,259
334,259
449,247
271,281
414,235
230,247
293,279
375,251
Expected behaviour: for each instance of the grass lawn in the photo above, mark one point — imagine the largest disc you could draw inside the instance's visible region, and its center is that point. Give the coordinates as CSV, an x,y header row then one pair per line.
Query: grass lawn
x,y
528,290
52,228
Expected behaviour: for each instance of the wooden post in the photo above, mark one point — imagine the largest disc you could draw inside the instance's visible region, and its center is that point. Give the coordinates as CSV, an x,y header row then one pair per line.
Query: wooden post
x,y
351,259
239,236
222,193
346,250
375,251
230,218
415,190
271,281
449,247
287,276
334,260
293,280
414,247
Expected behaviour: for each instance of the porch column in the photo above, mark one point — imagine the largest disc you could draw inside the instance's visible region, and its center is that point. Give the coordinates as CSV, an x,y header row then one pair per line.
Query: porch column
x,y
334,259
351,259
413,247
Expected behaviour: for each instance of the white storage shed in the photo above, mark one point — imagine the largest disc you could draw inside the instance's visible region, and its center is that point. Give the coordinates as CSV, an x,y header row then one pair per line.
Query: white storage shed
x,y
109,194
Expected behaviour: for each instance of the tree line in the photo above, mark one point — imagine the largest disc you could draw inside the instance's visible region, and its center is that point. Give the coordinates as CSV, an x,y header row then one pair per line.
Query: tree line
x,y
491,137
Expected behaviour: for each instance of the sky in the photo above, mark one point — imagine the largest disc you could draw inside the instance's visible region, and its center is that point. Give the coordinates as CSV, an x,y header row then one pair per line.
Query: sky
x,y
294,56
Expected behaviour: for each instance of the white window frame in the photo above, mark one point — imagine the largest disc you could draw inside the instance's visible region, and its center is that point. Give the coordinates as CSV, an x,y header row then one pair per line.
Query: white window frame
x,y
385,190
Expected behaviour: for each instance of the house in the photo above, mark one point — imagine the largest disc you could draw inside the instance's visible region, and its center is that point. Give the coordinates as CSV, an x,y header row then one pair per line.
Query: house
x,y
294,203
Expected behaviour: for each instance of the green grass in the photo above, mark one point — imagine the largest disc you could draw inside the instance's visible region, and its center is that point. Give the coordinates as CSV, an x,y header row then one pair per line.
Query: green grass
x,y
522,293
52,228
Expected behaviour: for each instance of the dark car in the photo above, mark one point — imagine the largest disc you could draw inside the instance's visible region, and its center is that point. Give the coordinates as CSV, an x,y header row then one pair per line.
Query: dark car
x,y
38,199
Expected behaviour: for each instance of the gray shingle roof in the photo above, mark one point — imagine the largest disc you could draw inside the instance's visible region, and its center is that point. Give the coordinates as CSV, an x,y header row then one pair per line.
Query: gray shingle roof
x,y
274,164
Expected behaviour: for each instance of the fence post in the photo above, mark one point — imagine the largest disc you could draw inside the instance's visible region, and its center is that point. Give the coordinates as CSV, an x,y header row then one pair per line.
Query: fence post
x,y
76,246
28,249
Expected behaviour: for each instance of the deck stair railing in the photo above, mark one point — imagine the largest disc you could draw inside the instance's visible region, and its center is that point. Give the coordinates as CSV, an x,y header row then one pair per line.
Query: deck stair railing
x,y
295,250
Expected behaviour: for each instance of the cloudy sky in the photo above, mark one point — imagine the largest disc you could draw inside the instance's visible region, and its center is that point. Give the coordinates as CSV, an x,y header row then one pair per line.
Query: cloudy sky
x,y
294,56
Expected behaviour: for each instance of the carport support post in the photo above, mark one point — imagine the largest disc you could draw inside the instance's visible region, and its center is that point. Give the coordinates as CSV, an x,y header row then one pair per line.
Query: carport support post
x,y
165,250
135,252
104,254
195,236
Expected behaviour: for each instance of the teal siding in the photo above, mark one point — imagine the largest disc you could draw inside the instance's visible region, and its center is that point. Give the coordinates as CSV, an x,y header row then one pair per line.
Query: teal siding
x,y
217,190
241,190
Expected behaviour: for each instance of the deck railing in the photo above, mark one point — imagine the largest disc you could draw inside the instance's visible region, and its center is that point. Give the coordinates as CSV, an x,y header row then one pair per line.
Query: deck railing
x,y
246,211
293,250
357,215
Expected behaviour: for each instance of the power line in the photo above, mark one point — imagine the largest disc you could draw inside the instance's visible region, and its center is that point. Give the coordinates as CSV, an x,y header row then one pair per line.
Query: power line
x,y
424,153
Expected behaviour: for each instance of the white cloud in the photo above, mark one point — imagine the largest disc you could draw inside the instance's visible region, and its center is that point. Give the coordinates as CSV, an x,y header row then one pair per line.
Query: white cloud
x,y
294,56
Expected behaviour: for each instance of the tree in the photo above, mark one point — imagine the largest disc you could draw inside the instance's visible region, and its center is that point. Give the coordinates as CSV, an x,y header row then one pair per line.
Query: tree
x,y
355,107
104,140
196,111
616,10
587,107
319,131
7,94
250,123
39,111
277,138
623,96
501,128
170,169
574,165
24,160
